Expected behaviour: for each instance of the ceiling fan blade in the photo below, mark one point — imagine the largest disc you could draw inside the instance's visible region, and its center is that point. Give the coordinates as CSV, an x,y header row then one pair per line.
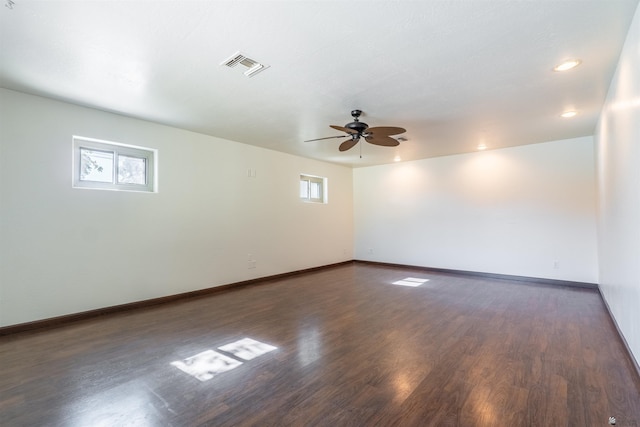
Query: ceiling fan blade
x,y
385,130
347,145
344,129
385,141
328,137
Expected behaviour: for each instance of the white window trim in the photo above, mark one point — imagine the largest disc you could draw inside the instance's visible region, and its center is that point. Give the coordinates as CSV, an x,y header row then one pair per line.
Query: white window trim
x,y
319,179
149,154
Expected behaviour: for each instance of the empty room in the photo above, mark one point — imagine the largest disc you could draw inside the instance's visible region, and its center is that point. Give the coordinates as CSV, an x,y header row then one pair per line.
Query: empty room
x,y
310,213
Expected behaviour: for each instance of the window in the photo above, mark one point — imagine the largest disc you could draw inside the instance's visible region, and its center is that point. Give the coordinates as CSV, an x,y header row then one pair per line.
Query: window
x,y
313,189
112,166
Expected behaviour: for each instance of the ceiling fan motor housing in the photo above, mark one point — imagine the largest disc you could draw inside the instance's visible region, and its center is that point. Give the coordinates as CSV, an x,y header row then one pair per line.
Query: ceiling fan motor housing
x,y
359,127
356,124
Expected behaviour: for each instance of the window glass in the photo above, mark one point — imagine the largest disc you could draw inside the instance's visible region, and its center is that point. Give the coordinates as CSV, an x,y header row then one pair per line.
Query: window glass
x,y
113,166
96,165
304,189
132,170
316,190
313,188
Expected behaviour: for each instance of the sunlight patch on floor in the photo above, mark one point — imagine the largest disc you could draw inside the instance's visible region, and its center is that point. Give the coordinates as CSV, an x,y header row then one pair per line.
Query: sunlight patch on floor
x,y
208,364
247,348
410,281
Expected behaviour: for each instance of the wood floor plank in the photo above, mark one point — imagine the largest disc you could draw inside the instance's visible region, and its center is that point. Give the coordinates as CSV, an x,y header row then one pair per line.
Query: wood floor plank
x,y
353,349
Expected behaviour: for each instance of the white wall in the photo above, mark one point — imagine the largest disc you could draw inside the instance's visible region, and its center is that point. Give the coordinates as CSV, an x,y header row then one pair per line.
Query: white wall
x,y
516,211
618,160
65,250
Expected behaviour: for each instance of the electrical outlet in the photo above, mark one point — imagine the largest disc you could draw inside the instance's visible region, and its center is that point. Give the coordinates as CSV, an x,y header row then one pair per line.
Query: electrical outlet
x,y
370,250
251,264
556,264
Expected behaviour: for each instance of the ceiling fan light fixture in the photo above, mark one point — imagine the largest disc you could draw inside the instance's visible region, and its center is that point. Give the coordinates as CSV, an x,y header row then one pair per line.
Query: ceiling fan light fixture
x,y
567,65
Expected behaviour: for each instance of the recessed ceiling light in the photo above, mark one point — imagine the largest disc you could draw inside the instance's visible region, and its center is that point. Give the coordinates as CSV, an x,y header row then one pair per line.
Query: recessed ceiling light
x,y
567,65
482,147
569,114
397,159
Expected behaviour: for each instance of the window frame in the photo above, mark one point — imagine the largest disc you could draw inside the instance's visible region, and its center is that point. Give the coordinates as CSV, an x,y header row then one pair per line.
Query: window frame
x,y
118,149
314,179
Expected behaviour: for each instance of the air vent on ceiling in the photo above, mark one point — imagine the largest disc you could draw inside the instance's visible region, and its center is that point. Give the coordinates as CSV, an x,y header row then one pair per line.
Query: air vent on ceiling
x,y
254,67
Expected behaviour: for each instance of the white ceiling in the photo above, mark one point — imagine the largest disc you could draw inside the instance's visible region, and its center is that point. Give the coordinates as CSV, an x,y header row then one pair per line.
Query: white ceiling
x,y
453,73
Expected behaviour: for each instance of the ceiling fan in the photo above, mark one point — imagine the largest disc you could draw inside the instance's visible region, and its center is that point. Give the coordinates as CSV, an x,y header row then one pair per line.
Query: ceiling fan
x,y
355,130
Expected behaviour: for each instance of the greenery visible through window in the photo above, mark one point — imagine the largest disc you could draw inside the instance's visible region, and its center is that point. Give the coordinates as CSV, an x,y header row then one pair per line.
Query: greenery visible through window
x,y
112,166
313,189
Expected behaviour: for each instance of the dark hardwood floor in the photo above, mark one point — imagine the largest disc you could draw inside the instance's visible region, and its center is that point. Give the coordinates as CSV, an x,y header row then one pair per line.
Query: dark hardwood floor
x,y
352,350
